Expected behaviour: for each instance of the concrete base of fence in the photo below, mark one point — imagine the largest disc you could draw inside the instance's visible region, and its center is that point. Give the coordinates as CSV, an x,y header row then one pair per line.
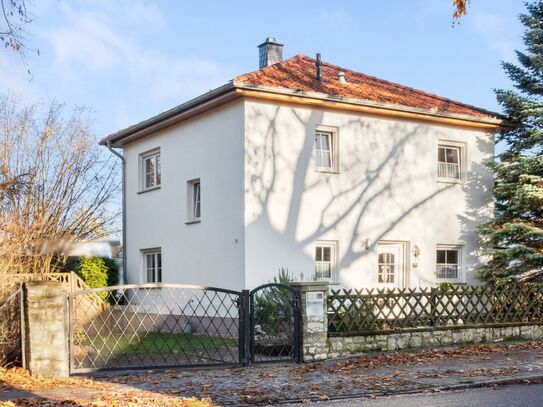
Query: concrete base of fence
x,y
46,337
339,346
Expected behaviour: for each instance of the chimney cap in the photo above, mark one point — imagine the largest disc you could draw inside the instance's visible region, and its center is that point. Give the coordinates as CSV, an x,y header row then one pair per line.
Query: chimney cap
x,y
270,41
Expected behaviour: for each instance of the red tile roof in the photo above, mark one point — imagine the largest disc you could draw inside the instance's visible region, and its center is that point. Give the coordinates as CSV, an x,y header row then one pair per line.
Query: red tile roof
x,y
299,73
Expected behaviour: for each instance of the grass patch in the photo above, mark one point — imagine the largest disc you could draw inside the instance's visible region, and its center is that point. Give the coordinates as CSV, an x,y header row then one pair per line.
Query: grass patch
x,y
156,342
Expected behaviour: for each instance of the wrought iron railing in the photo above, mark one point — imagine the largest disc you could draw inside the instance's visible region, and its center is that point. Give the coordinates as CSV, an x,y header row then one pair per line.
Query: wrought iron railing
x,y
153,325
11,327
363,312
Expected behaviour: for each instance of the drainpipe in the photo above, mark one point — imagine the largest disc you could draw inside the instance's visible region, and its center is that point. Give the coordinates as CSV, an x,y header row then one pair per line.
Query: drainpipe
x,y
121,157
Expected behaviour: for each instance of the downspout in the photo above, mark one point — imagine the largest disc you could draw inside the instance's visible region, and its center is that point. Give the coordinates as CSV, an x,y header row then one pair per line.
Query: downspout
x,y
121,157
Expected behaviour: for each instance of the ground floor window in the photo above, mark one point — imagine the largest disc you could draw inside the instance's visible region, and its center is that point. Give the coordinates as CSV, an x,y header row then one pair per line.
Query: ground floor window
x,y
447,263
152,260
325,260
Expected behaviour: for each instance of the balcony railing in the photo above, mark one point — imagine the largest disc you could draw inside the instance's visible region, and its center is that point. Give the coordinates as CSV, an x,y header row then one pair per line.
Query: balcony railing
x,y
448,170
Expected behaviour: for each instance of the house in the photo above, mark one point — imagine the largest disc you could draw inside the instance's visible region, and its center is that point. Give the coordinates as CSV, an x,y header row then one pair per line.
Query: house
x,y
332,174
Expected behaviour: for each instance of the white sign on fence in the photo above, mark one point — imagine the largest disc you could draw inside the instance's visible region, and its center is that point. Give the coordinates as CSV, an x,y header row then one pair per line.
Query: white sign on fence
x,y
315,304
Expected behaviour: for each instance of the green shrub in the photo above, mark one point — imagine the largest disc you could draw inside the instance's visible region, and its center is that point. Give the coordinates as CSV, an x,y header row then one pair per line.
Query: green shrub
x,y
112,271
274,304
93,271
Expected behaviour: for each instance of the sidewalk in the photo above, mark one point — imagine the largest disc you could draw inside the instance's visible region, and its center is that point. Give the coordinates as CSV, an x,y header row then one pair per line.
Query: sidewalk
x,y
367,376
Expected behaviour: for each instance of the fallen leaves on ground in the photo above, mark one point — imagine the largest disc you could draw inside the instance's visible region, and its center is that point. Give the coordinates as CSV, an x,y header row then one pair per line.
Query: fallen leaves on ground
x,y
91,393
420,357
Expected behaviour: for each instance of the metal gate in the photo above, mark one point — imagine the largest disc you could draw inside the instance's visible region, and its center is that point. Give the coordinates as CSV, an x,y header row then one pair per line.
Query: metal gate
x,y
174,325
275,324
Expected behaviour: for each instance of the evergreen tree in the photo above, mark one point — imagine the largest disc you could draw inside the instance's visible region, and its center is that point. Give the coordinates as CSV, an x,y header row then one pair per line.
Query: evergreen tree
x,y
515,237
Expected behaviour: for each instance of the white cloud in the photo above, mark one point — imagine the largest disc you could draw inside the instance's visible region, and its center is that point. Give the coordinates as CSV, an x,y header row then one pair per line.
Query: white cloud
x,y
98,43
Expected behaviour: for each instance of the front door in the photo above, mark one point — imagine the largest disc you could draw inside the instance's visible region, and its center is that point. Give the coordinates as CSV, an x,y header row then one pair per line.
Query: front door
x,y
391,265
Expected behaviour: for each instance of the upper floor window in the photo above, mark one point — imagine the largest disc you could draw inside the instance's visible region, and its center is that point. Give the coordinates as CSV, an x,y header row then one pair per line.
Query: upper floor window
x,y
448,263
449,162
194,202
151,172
153,265
326,151
325,261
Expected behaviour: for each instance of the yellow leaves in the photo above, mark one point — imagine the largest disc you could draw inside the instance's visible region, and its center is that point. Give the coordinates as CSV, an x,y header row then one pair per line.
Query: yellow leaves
x,y
460,8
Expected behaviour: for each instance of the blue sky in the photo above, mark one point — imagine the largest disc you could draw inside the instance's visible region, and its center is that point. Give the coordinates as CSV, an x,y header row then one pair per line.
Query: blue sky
x,y
128,60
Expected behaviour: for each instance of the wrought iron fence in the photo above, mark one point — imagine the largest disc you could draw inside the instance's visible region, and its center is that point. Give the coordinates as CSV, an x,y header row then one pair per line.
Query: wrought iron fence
x,y
374,311
153,325
11,326
275,324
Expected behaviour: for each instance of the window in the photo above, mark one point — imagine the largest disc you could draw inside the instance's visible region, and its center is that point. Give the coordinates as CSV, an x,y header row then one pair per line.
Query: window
x,y
449,162
194,193
447,263
326,158
325,261
150,165
386,268
153,265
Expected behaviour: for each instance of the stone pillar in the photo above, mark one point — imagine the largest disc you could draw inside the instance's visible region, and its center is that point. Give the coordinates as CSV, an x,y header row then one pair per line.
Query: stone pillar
x,y
314,320
46,333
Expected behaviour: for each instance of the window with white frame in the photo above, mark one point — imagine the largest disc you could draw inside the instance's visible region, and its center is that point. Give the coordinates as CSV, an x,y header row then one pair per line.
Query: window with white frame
x,y
151,171
448,262
449,162
152,263
325,261
326,154
194,202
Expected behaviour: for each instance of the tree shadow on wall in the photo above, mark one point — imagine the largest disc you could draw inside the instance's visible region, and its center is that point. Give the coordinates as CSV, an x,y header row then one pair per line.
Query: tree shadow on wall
x,y
290,206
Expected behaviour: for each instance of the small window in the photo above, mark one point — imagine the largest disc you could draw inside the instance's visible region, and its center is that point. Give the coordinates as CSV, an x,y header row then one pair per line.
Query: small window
x,y
449,162
448,263
153,265
325,261
194,194
151,171
326,158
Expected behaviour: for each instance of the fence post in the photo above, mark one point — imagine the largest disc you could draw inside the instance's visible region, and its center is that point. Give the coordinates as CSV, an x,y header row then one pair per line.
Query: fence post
x,y
244,328
314,330
46,329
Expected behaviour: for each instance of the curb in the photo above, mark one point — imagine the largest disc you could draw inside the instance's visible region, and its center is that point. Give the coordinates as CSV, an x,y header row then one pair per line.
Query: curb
x,y
525,379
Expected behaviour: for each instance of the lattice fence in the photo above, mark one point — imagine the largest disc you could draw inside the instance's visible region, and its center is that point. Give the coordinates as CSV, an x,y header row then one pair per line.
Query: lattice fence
x,y
374,311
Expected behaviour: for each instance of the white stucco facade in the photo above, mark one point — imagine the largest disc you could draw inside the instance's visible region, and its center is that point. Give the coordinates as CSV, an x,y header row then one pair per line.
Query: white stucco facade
x,y
264,206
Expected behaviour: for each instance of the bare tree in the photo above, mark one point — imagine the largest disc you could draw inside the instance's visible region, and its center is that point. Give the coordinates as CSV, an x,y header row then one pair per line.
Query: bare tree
x,y
56,185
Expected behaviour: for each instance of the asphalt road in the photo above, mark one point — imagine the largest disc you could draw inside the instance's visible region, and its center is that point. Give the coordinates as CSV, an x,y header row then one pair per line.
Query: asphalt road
x,y
528,395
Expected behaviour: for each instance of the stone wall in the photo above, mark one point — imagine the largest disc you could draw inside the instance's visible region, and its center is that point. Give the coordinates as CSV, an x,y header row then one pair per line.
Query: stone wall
x,y
318,347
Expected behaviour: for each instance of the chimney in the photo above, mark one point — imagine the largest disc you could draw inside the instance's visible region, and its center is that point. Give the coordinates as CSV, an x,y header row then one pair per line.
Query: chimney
x,y
318,63
341,77
269,52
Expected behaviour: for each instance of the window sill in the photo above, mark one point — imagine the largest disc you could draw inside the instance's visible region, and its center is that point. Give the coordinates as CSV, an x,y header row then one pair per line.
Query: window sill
x,y
326,171
191,222
149,189
452,181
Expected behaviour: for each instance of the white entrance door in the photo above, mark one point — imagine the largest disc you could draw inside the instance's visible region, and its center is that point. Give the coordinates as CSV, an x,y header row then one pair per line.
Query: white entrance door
x,y
391,265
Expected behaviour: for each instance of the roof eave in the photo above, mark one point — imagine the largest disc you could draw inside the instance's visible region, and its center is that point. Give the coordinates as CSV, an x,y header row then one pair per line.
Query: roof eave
x,y
496,120
209,100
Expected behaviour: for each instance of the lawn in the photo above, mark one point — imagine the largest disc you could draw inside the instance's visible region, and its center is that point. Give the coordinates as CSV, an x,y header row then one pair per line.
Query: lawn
x,y
156,342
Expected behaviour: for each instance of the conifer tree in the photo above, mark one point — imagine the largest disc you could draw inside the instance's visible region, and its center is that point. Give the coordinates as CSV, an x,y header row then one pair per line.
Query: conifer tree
x,y
514,238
